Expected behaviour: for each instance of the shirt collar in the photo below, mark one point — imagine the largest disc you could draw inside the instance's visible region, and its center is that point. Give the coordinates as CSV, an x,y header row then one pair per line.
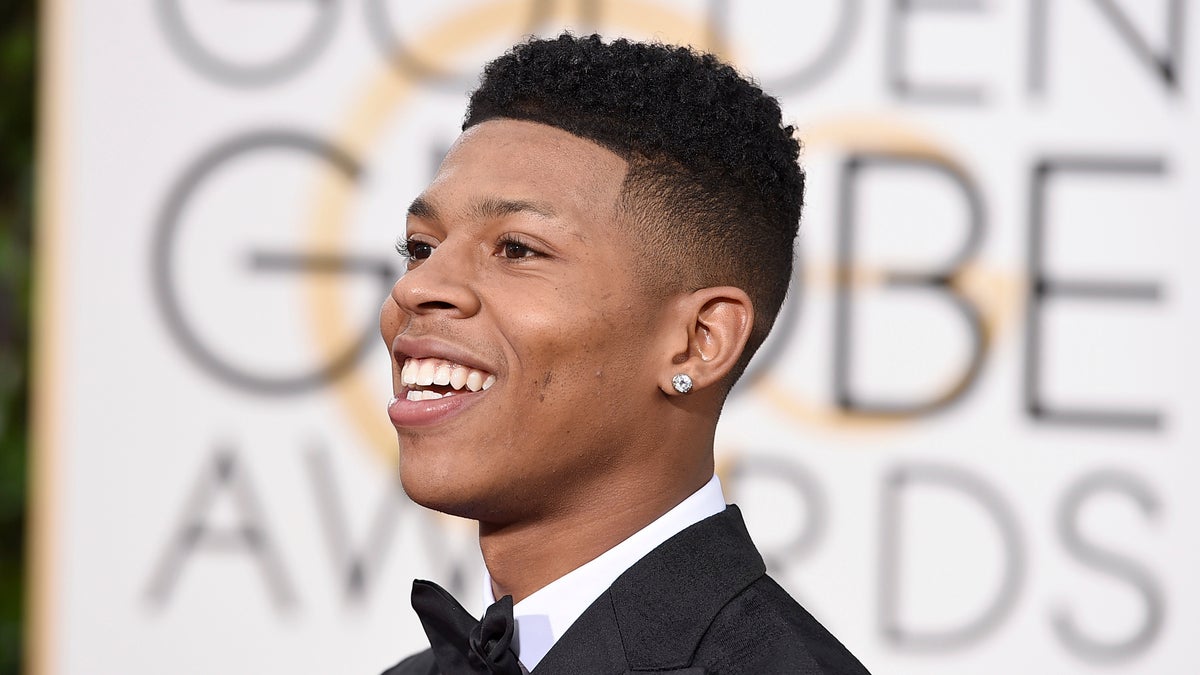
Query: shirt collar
x,y
545,615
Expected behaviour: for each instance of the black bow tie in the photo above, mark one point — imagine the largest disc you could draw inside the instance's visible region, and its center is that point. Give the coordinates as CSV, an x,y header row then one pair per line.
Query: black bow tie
x,y
461,645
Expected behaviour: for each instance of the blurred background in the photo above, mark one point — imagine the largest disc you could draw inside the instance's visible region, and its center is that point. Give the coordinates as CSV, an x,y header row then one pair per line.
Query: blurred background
x,y
18,50
970,445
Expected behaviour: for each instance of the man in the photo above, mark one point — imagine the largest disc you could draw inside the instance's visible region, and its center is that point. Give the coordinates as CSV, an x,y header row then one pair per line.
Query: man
x,y
598,257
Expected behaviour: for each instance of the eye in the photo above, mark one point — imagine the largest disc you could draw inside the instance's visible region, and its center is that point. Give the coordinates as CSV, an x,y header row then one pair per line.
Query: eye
x,y
413,249
513,248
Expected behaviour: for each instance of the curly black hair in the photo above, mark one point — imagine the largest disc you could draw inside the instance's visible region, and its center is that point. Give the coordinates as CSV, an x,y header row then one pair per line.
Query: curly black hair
x,y
713,179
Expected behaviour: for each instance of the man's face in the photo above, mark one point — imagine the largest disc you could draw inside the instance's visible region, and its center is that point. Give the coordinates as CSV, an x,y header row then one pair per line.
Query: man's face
x,y
520,299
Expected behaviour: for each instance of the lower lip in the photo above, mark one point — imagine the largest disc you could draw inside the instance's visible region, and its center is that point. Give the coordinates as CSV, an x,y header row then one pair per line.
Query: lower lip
x,y
406,413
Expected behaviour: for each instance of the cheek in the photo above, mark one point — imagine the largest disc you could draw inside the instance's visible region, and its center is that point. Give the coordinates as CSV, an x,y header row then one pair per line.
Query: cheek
x,y
557,355
590,362
571,340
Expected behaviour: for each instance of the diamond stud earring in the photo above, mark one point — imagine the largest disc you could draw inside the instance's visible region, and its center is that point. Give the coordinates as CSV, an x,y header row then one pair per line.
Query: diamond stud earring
x,y
682,383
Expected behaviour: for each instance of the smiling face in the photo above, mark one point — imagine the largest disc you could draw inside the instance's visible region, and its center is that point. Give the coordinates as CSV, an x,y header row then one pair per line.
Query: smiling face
x,y
521,302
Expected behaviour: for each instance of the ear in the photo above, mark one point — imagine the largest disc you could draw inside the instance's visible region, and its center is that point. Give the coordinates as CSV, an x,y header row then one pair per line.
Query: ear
x,y
708,332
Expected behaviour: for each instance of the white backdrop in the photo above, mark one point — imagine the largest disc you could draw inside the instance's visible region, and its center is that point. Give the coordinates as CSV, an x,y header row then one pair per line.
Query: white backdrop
x,y
970,446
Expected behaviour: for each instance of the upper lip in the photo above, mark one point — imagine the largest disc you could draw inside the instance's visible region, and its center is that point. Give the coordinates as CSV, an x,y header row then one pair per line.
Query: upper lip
x,y
404,347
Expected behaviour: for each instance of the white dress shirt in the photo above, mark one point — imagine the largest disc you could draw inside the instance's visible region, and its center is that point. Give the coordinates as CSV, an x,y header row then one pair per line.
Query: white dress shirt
x,y
545,615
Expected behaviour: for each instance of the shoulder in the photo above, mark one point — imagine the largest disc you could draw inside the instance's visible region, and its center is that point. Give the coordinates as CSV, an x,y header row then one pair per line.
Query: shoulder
x,y
421,663
763,631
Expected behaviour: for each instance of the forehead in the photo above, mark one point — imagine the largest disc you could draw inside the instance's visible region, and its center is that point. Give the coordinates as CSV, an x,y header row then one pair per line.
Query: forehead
x,y
525,161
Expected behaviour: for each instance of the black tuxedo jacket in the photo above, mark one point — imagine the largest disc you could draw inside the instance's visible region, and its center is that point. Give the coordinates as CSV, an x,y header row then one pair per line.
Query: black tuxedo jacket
x,y
699,604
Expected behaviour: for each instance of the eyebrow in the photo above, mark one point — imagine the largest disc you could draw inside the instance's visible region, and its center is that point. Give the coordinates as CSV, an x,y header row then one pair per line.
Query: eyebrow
x,y
420,208
488,207
493,207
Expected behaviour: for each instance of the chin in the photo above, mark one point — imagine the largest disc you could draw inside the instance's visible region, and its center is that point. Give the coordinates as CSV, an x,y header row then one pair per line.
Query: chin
x,y
444,489
428,486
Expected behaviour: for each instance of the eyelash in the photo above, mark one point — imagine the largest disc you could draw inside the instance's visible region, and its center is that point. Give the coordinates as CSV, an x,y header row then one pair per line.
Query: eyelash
x,y
404,246
516,240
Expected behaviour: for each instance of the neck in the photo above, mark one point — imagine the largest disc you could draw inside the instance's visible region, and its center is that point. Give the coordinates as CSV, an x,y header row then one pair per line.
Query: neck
x,y
523,557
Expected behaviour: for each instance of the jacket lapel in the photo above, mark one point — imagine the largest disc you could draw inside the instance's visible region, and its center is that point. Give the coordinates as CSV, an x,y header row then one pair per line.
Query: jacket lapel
x,y
591,645
654,615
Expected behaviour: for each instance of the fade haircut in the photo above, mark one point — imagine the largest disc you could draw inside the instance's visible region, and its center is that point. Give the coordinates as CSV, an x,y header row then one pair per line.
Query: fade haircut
x,y
713,188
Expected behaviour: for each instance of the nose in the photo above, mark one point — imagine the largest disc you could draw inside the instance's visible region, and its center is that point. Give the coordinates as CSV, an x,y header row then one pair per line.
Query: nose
x,y
441,284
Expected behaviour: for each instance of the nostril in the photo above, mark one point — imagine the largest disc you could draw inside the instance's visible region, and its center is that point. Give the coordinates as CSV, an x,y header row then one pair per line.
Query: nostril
x,y
436,304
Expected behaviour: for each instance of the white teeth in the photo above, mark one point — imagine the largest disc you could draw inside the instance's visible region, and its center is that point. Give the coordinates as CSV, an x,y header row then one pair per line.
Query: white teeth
x,y
442,374
425,395
417,373
458,377
475,380
426,372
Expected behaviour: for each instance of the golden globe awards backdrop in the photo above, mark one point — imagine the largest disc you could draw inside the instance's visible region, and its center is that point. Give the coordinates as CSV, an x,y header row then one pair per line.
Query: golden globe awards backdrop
x,y
970,447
